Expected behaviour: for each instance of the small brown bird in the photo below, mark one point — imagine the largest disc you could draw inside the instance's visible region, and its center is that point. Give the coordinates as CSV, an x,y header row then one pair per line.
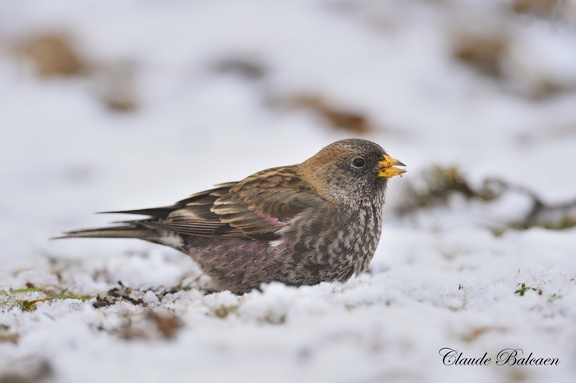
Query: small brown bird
x,y
301,224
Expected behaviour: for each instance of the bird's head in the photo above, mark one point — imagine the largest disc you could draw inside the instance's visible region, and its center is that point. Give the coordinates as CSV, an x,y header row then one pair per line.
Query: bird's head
x,y
353,172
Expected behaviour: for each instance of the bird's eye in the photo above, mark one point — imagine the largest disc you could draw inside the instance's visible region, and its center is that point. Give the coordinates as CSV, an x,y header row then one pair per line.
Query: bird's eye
x,y
358,162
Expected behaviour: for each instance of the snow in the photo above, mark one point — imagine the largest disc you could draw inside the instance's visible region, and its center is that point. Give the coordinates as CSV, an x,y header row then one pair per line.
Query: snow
x,y
440,278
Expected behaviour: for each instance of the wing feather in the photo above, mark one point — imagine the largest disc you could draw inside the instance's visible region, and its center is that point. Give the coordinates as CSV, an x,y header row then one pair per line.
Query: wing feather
x,y
249,209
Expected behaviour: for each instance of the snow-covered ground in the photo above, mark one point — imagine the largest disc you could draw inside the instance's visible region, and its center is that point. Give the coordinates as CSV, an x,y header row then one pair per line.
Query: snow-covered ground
x,y
221,89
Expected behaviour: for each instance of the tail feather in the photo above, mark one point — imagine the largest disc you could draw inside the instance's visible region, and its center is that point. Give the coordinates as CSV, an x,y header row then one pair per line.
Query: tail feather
x,y
155,212
112,232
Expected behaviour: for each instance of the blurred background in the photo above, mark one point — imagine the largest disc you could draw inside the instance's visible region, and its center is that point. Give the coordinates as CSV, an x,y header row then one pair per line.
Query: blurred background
x,y
108,105
184,94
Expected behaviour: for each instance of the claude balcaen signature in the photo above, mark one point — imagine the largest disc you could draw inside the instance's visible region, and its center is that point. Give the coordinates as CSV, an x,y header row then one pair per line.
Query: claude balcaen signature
x,y
505,357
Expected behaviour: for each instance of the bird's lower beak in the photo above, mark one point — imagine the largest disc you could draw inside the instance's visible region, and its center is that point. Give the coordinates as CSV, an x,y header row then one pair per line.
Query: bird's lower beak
x,y
387,169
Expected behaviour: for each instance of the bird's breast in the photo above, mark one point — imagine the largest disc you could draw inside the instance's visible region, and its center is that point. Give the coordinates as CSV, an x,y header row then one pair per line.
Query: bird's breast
x,y
335,243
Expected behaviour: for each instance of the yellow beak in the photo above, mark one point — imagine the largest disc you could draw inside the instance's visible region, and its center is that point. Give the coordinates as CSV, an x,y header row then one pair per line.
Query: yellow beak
x,y
386,167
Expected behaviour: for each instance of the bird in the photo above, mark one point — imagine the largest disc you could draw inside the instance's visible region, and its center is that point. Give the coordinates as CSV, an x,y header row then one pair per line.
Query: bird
x,y
316,221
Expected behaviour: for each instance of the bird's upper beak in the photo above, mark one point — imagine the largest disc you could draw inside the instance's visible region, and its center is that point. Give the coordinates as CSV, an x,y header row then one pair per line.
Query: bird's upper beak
x,y
386,167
